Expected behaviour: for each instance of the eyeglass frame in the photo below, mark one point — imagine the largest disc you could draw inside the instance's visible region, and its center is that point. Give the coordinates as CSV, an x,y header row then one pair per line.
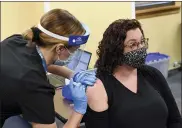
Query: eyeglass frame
x,y
138,43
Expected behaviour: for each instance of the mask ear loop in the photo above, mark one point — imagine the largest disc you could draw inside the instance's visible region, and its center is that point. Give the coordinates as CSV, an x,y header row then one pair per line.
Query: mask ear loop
x,y
68,51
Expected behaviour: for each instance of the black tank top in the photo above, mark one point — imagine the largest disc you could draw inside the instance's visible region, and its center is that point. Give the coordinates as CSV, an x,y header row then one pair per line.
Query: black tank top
x,y
144,109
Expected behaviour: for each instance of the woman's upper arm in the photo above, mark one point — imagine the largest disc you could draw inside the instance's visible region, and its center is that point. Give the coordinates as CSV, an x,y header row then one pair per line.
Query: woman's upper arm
x,y
97,97
97,112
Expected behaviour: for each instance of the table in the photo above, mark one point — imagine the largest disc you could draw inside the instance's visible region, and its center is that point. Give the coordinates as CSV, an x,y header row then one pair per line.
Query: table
x,y
62,106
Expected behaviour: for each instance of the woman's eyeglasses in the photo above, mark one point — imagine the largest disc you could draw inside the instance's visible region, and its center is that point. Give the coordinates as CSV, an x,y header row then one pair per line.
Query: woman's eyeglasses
x,y
135,45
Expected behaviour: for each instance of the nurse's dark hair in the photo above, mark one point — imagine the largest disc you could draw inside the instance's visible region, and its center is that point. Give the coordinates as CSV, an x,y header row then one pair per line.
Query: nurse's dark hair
x,y
57,21
111,47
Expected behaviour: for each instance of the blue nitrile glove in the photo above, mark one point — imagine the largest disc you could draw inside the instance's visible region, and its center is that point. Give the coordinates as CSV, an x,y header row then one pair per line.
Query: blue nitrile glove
x,y
87,77
78,92
66,92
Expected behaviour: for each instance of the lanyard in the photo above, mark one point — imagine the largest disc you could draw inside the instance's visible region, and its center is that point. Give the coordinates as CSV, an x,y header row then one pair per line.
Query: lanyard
x,y
42,57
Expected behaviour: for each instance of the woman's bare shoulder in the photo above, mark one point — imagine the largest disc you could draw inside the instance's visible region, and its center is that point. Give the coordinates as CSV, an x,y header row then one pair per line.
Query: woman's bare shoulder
x,y
97,97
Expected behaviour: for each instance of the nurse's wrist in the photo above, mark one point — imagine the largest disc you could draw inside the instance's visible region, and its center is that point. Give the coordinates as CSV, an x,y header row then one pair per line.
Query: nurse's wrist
x,y
71,75
74,120
80,107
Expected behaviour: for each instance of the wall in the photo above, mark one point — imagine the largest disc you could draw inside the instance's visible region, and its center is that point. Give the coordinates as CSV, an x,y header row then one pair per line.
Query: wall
x,y
164,33
97,15
19,16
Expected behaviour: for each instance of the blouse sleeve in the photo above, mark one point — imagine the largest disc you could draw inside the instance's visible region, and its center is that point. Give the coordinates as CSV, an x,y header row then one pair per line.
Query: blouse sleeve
x,y
95,119
174,117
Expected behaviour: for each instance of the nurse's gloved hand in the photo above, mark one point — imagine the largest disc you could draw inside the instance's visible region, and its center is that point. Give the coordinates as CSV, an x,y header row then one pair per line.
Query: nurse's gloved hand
x,y
66,92
78,93
87,77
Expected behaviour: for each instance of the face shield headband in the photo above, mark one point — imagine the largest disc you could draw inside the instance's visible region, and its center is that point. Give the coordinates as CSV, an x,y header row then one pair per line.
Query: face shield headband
x,y
73,40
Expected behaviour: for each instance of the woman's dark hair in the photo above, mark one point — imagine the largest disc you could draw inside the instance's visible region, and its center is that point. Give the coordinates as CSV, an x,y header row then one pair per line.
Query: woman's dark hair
x,y
110,49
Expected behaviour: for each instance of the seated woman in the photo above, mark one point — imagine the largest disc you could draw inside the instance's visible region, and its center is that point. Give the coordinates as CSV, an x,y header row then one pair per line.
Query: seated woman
x,y
128,93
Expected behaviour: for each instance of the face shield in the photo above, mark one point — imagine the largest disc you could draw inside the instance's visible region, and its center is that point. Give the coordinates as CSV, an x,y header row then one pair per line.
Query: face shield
x,y
73,40
75,59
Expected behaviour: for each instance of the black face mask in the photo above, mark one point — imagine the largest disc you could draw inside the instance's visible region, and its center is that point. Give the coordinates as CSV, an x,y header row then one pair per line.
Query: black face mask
x,y
135,58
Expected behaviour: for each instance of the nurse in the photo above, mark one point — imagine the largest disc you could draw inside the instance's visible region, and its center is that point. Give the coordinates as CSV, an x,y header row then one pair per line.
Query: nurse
x,y
25,60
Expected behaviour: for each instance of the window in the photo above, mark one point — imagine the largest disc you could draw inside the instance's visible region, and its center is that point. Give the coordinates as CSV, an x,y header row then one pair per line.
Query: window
x,y
155,8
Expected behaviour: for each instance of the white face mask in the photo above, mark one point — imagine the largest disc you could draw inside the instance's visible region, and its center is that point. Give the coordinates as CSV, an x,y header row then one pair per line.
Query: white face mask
x,y
63,62
60,62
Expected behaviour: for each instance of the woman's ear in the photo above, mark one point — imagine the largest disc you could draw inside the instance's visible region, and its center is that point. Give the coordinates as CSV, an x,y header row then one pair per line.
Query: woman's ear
x,y
59,48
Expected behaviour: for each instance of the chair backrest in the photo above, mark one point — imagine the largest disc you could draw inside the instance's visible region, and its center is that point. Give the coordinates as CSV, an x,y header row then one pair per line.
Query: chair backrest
x,y
16,122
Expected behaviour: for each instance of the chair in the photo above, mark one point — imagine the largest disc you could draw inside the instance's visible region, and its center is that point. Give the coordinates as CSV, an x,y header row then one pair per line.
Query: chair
x,y
16,122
